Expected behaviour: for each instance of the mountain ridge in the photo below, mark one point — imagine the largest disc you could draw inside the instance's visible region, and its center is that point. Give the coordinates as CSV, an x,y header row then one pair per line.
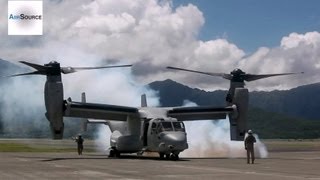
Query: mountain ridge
x,y
299,102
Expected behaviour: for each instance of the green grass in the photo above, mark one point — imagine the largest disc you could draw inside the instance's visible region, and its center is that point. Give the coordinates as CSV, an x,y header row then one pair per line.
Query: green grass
x,y
292,145
17,147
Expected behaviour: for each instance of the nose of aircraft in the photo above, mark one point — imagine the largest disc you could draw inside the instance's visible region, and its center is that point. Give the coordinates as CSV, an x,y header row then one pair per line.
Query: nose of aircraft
x,y
175,138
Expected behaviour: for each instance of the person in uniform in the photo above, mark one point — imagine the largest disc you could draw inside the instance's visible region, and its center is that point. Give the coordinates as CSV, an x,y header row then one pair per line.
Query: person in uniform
x,y
79,140
249,146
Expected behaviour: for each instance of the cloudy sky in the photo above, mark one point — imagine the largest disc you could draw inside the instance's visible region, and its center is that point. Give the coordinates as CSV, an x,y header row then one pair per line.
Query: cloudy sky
x,y
251,24
214,36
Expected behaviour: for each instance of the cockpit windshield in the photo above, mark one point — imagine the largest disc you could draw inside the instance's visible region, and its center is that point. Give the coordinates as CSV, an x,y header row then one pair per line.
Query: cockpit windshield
x,y
166,126
178,126
171,126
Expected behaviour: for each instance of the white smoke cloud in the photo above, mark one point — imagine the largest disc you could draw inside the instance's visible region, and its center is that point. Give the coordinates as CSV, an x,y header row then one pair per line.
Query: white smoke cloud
x,y
20,107
260,147
212,139
102,141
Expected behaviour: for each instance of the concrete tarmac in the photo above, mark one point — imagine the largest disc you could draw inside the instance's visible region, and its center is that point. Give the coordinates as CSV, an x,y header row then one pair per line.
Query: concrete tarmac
x,y
279,165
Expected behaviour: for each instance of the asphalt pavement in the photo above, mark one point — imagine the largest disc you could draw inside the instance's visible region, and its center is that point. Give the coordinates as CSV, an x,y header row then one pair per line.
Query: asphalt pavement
x,y
279,165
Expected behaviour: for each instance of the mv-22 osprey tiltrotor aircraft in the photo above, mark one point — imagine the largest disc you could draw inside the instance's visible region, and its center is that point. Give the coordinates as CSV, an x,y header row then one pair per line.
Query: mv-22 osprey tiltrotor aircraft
x,y
136,130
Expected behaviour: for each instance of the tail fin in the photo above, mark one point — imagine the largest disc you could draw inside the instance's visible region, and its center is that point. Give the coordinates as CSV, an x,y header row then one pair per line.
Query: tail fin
x,y
238,122
84,121
83,97
144,100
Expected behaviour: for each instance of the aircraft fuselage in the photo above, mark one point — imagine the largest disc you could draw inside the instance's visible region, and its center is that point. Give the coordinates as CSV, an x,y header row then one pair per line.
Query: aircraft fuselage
x,y
165,136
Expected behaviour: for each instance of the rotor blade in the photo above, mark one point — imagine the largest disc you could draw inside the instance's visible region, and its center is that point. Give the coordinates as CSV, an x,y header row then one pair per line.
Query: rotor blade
x,y
26,74
226,76
253,77
35,66
67,70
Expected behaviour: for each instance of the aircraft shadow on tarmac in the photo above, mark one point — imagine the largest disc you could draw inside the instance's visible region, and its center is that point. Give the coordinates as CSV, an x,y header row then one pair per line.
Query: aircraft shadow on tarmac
x,y
105,157
148,158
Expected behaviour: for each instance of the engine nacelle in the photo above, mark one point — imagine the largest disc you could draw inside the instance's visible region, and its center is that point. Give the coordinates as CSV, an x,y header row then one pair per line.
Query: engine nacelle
x,y
238,121
53,94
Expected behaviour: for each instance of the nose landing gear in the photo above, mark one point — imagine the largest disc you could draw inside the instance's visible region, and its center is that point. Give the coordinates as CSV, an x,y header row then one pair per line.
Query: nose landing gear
x,y
172,156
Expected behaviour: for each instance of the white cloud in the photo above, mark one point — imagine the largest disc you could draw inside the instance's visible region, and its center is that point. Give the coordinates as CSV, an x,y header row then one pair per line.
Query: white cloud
x,y
297,53
217,54
107,24
152,34
295,40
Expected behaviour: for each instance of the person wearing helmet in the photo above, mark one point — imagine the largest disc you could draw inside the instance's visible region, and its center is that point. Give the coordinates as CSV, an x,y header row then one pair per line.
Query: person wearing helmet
x,y
249,146
79,140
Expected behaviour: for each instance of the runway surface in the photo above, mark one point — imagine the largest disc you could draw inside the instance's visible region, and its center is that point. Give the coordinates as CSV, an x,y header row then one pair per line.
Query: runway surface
x,y
279,165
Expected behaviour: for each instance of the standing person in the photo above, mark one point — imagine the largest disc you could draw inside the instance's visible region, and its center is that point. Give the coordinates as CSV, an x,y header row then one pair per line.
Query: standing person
x,y
249,146
79,141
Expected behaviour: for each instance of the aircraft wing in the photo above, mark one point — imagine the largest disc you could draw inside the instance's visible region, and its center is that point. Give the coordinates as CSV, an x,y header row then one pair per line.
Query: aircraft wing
x,y
200,113
99,111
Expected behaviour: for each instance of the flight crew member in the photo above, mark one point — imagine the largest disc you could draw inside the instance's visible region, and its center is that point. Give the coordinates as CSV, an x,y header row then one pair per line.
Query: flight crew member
x,y
249,146
79,141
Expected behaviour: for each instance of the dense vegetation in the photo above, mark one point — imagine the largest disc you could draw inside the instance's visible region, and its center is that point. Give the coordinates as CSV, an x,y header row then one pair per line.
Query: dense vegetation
x,y
274,126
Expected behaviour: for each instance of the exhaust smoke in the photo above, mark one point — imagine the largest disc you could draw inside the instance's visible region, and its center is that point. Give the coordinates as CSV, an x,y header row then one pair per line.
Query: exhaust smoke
x,y
102,139
212,139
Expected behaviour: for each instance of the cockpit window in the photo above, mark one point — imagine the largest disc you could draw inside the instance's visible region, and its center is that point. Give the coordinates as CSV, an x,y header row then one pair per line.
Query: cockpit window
x,y
178,126
153,126
166,126
170,126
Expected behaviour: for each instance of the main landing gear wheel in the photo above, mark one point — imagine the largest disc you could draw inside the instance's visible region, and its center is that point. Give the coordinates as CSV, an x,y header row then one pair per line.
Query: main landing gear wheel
x,y
174,157
114,153
167,156
161,155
